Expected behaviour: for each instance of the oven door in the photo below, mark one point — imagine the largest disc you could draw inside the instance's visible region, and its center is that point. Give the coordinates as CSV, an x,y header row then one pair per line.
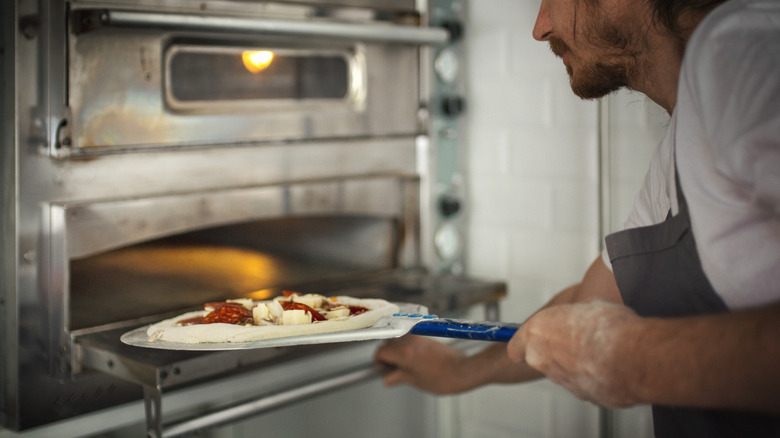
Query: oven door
x,y
148,79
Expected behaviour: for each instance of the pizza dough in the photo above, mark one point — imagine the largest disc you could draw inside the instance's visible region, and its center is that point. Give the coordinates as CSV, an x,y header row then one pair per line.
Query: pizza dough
x,y
169,330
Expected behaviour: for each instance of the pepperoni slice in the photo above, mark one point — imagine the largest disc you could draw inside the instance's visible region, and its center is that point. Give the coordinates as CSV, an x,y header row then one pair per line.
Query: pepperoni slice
x,y
227,315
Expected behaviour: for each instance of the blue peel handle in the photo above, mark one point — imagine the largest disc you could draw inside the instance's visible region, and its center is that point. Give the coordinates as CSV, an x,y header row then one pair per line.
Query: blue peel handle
x,y
478,331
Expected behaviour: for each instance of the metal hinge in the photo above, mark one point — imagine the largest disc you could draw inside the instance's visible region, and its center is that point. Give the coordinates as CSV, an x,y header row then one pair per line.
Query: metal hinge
x,y
63,138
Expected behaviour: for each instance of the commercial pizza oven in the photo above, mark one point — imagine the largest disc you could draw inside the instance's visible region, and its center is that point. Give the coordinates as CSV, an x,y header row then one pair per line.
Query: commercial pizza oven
x,y
161,154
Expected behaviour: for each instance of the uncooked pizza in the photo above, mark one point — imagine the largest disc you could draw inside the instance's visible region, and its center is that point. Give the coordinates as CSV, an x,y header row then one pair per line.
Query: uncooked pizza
x,y
292,314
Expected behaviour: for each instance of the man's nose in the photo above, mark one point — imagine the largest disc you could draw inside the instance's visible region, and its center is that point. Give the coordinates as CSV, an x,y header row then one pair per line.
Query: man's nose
x,y
543,26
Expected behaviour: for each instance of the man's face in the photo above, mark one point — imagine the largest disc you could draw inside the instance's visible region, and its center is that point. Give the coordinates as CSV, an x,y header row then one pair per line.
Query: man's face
x,y
595,40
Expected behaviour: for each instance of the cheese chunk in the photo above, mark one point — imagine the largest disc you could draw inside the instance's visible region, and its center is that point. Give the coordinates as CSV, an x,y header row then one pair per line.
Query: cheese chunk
x,y
312,300
260,314
339,312
275,309
295,317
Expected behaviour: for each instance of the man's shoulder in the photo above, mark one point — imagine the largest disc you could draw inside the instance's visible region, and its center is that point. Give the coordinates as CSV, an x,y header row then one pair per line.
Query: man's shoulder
x,y
734,49
745,19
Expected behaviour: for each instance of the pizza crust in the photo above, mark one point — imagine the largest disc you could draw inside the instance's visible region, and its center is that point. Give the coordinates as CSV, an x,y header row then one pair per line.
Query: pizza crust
x,y
169,331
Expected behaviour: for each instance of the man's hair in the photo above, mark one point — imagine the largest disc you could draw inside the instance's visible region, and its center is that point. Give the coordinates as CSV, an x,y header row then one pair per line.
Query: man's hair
x,y
670,12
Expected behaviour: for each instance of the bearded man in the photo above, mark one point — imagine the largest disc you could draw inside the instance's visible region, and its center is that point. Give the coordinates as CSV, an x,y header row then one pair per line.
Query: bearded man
x,y
682,309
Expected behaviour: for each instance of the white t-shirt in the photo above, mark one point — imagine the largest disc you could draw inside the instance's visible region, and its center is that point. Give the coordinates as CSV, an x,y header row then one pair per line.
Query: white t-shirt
x,y
725,130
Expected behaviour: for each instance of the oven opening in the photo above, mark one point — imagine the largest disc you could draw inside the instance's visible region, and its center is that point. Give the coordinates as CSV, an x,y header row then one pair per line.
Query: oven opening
x,y
258,259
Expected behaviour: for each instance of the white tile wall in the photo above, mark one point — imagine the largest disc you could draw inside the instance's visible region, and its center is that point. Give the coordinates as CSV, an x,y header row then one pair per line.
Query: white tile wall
x,y
532,175
532,159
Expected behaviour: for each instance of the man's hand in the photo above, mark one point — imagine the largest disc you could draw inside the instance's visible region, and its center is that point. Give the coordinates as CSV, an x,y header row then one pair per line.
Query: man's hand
x,y
425,363
575,346
440,368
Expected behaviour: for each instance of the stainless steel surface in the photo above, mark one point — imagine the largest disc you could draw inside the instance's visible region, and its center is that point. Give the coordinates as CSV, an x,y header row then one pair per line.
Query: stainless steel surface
x,y
273,401
91,227
385,328
170,172
272,375
405,409
449,201
104,118
8,220
177,5
362,32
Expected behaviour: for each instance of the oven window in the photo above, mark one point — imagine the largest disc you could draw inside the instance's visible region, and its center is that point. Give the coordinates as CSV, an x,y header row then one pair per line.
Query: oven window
x,y
213,75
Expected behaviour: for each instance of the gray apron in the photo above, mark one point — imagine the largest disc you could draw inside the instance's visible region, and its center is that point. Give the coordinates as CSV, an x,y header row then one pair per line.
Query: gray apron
x,y
659,274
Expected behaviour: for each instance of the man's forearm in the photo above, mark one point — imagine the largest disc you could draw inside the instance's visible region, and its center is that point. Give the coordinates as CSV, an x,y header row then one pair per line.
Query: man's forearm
x,y
718,361
492,365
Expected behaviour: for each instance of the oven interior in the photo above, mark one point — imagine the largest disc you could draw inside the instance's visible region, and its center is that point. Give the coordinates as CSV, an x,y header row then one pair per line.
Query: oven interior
x,y
255,259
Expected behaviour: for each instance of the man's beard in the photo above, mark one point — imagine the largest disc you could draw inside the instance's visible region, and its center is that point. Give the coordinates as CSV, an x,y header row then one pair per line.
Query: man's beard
x,y
593,80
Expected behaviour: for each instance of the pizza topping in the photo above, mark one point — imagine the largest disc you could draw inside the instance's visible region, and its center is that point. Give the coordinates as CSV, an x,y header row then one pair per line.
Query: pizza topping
x,y
357,310
219,304
314,301
228,314
291,309
261,314
292,305
191,321
246,302
246,320
296,317
337,312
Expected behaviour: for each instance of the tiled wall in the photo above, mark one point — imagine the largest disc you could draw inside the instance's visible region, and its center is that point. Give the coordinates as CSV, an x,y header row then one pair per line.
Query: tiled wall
x,y
532,159
532,178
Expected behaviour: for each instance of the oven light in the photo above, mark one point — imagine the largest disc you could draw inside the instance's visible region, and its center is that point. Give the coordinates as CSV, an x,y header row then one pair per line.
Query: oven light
x,y
258,61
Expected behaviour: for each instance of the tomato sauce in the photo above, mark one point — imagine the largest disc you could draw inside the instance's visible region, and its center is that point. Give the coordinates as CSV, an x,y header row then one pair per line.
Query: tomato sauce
x,y
356,310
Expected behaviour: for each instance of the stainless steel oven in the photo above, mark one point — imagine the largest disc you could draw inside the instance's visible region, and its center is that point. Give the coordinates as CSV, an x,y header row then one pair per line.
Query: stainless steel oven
x,y
253,72
159,154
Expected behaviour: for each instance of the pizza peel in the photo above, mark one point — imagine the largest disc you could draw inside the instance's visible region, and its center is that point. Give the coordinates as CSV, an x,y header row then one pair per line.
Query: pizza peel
x,y
411,319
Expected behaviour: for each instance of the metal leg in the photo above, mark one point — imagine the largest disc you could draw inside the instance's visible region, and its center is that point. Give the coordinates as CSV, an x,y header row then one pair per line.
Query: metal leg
x,y
153,409
492,311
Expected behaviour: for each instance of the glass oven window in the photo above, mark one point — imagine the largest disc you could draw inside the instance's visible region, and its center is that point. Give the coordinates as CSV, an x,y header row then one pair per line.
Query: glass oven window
x,y
206,78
